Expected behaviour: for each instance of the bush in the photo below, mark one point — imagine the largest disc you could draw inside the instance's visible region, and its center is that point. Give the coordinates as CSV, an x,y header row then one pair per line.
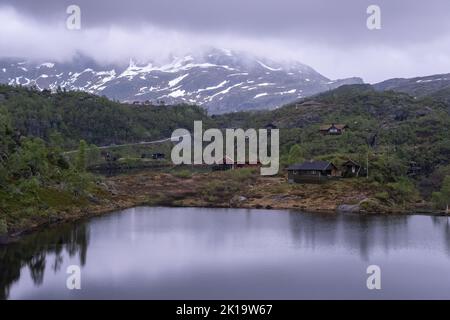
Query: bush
x,y
78,183
372,206
387,169
382,196
403,191
241,175
183,174
219,190
441,199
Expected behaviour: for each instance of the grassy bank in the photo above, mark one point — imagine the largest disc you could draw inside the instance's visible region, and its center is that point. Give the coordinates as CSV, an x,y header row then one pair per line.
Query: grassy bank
x,y
243,188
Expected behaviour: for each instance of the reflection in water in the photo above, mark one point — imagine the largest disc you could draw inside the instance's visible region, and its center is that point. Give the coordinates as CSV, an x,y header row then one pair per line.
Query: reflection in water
x,y
358,232
33,251
182,253
443,223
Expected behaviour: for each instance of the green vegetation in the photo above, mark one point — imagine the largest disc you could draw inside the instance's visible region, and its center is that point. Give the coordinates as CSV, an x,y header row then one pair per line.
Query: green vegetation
x,y
41,175
68,117
35,178
184,174
80,163
224,185
389,130
241,175
38,178
442,198
402,191
295,155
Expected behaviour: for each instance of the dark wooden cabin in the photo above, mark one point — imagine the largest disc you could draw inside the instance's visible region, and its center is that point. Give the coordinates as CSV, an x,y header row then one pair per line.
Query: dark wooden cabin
x,y
351,169
312,172
154,156
333,129
158,156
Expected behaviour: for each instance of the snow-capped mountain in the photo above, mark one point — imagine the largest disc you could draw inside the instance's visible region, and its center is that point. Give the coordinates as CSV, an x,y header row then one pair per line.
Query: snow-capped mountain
x,y
220,80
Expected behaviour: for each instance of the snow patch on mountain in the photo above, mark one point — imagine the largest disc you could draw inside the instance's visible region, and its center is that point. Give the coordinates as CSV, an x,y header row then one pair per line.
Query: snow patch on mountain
x,y
177,94
219,80
269,68
260,95
47,65
175,81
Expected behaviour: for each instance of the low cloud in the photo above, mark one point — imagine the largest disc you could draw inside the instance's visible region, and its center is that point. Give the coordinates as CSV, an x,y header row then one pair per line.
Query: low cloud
x,y
335,45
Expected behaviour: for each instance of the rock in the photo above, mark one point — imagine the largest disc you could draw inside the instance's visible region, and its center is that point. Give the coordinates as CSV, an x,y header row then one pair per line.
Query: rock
x,y
370,205
94,199
348,208
236,199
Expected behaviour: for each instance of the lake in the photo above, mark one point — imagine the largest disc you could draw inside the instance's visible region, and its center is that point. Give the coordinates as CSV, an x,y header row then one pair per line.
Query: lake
x,y
194,253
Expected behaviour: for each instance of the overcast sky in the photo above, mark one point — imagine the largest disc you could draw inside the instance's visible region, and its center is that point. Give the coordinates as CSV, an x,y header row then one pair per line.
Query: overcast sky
x,y
329,35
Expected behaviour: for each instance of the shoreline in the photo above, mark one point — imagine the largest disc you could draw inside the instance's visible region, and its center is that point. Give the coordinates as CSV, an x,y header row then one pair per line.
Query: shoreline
x,y
130,191
18,235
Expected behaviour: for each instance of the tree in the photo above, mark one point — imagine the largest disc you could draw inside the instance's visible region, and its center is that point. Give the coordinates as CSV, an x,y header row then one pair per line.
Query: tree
x,y
80,163
295,154
403,190
442,198
93,155
30,160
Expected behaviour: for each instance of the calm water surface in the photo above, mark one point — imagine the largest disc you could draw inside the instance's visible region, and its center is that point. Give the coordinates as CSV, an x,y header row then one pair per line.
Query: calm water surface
x,y
190,253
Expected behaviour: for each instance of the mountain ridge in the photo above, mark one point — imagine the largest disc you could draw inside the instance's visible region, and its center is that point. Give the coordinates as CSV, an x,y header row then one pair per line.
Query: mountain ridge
x,y
416,86
219,80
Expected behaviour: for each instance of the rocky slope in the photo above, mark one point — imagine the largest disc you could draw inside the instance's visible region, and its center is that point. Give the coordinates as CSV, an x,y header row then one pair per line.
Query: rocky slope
x,y
220,80
417,87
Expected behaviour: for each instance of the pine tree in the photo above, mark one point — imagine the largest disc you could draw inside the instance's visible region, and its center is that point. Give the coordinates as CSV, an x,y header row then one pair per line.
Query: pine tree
x,y
80,163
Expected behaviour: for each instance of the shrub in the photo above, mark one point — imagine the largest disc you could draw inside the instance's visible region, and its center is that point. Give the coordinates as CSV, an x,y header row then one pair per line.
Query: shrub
x,y
217,190
441,199
403,191
382,196
241,175
183,174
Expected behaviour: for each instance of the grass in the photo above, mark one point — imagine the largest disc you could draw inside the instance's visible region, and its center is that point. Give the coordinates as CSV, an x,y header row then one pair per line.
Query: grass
x,y
240,175
21,210
183,174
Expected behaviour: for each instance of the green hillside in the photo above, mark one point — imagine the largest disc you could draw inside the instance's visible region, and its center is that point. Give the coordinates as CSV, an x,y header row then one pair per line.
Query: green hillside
x,y
389,131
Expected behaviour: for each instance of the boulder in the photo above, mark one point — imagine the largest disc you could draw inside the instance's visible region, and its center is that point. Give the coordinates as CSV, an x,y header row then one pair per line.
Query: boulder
x,y
348,208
